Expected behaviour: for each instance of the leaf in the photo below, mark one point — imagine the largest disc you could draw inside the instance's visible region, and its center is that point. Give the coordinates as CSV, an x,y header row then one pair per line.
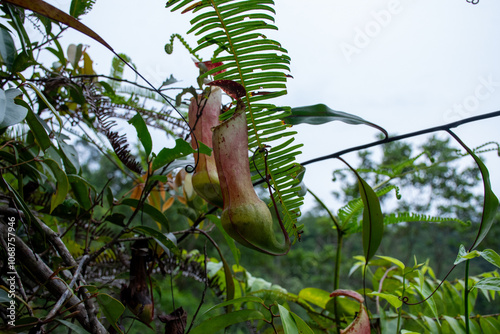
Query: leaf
x,y
373,220
62,186
81,189
489,283
393,260
230,241
301,324
153,212
74,327
490,203
454,324
111,308
491,256
10,112
246,299
222,321
7,47
392,299
75,54
315,296
321,114
37,127
80,7
231,88
142,132
164,242
463,255
181,149
43,8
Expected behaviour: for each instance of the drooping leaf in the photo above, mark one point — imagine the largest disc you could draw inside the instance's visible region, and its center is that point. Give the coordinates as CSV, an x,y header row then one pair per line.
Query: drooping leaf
x,y
454,324
10,112
7,47
142,132
392,299
490,202
75,54
62,185
491,256
45,9
373,220
81,188
160,238
393,260
222,321
320,114
111,308
287,321
153,212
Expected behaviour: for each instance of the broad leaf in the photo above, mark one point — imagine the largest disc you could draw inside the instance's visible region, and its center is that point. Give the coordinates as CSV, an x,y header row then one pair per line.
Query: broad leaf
x,y
62,185
111,308
181,149
247,299
153,212
320,114
287,321
315,296
393,260
10,112
491,256
392,299
142,132
164,242
7,47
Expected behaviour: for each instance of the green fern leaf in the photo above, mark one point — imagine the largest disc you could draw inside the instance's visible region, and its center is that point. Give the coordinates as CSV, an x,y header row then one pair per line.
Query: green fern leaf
x,y
235,28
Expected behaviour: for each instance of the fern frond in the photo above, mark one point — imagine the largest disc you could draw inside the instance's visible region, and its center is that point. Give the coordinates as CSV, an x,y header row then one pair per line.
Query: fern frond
x,y
235,29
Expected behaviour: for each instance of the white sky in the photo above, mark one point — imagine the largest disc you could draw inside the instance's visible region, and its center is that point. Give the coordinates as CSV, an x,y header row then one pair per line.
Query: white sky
x,y
403,64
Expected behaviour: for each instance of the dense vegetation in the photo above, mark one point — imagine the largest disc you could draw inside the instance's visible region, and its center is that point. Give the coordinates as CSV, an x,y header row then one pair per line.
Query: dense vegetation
x,y
101,234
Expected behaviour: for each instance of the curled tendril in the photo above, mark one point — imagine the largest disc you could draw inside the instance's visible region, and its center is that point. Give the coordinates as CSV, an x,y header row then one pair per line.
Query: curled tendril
x,y
169,47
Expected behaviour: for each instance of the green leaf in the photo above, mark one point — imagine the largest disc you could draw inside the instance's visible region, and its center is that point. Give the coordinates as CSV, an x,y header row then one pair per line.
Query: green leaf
x,y
111,308
160,238
62,186
454,324
463,255
224,320
491,256
489,283
392,299
10,112
153,212
230,241
373,220
181,149
287,321
142,132
38,128
315,296
80,7
490,203
246,299
81,188
393,260
320,114
7,47
301,325
74,327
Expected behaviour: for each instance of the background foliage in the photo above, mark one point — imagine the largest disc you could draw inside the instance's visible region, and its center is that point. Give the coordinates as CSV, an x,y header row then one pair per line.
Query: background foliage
x,y
110,236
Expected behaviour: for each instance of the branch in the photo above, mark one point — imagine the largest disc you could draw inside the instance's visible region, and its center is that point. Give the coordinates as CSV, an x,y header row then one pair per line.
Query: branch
x,y
444,127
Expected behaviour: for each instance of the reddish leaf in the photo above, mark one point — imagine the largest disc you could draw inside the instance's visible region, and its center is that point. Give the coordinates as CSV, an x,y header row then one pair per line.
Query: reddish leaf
x,y
231,88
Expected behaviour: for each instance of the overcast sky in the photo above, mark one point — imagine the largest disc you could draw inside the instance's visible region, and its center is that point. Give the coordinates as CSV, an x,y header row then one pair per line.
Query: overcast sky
x,y
403,64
